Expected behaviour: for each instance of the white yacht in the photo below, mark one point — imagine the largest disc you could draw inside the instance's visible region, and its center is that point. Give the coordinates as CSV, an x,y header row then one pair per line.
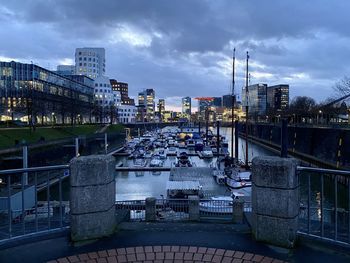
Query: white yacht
x,y
207,152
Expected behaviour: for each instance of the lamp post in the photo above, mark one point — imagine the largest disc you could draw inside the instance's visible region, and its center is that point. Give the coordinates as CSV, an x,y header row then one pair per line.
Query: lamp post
x,y
52,118
8,113
319,116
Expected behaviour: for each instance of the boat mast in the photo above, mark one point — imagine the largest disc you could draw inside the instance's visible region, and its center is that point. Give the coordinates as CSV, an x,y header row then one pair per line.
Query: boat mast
x,y
233,101
246,112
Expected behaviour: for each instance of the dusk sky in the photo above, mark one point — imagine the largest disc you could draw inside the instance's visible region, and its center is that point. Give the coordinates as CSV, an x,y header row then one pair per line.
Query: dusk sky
x,y
184,48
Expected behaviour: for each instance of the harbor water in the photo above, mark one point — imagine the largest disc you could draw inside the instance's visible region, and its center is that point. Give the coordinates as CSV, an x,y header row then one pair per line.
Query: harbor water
x,y
139,185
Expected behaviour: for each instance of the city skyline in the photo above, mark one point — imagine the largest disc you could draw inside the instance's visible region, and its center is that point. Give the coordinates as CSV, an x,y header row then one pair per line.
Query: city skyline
x,y
162,46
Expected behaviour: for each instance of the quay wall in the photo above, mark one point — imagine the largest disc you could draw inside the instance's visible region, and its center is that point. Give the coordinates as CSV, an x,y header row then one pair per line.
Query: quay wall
x,y
326,144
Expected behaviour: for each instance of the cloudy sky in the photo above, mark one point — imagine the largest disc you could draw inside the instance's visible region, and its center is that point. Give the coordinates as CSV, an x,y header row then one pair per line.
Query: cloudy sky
x,y
184,48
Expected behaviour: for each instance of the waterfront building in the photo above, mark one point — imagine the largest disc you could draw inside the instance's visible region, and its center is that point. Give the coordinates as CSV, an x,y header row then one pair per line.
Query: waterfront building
x,y
146,109
123,88
90,62
256,99
277,98
168,116
127,113
65,70
204,106
161,109
107,100
34,94
186,106
227,101
217,102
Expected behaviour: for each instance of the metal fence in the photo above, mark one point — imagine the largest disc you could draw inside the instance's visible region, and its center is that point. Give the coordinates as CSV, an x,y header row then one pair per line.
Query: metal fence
x,y
178,209
33,201
325,204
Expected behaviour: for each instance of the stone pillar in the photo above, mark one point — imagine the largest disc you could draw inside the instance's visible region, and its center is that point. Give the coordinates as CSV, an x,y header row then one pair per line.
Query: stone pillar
x,y
150,209
238,211
92,197
193,208
275,200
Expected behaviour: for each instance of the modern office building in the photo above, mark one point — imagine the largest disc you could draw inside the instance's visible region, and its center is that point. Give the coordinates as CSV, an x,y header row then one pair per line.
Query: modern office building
x,y
161,109
123,88
36,95
90,62
186,106
227,101
66,70
277,98
107,100
127,113
256,99
204,105
217,102
146,109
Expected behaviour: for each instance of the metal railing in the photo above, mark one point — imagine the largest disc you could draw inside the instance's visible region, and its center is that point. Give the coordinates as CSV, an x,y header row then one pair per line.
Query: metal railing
x,y
325,204
33,201
178,209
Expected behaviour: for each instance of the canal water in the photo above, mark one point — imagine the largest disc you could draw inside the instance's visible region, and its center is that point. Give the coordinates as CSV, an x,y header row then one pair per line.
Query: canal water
x,y
138,186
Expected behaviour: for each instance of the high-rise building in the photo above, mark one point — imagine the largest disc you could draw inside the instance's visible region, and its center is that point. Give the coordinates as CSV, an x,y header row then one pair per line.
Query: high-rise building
x,y
217,102
146,107
90,62
227,101
123,88
186,106
256,99
277,98
161,109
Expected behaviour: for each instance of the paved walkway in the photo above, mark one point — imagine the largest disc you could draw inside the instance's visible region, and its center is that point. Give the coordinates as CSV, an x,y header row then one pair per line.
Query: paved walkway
x,y
153,254
169,242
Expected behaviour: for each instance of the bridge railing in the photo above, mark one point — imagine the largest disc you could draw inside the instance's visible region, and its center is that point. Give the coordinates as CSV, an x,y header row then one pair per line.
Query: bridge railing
x,y
32,201
325,204
178,209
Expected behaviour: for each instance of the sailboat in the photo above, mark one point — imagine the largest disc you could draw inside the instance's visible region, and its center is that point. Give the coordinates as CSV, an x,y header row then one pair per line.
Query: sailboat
x,y
237,174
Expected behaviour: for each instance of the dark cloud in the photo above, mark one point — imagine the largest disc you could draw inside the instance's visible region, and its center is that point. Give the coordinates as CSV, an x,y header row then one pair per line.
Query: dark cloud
x,y
184,47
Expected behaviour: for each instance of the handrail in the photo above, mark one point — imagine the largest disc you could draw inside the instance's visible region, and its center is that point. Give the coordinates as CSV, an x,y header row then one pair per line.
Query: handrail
x,y
34,169
322,170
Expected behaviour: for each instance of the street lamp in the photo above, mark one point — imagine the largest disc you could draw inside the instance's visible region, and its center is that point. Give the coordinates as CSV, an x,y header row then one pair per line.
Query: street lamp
x,y
320,115
52,118
8,120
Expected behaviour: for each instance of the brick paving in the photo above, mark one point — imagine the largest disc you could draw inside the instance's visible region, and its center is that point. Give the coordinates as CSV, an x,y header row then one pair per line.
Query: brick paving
x,y
162,254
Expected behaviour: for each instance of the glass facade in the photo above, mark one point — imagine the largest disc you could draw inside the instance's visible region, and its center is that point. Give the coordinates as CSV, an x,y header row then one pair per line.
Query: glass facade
x,y
32,93
186,106
277,98
256,99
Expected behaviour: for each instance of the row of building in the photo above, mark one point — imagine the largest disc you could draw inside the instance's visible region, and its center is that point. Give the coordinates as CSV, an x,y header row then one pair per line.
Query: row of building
x,y
263,101
77,93
82,93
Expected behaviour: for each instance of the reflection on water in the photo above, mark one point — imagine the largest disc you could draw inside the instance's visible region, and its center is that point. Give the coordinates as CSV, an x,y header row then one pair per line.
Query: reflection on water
x,y
136,186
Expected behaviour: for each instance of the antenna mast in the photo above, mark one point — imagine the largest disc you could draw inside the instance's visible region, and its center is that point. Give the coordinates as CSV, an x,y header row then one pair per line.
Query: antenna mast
x,y
246,112
233,100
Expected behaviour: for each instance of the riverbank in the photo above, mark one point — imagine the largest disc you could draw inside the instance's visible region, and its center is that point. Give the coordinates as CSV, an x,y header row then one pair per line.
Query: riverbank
x,y
9,137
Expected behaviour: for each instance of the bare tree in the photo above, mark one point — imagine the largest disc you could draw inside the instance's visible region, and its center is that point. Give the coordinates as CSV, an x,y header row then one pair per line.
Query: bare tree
x,y
342,87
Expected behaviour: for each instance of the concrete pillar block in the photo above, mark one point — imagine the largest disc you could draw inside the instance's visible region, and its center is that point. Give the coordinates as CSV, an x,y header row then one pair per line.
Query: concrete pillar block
x,y
275,200
238,211
151,209
92,197
193,208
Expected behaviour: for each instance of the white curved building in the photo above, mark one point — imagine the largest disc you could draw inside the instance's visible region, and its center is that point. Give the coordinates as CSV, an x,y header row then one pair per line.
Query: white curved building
x,y
106,99
90,62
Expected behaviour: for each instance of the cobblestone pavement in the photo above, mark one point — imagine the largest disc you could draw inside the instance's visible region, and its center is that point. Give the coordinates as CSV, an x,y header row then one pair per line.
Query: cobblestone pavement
x,y
153,254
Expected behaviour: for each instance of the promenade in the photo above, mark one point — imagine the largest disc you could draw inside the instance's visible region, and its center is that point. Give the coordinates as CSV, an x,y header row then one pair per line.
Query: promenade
x,y
170,242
